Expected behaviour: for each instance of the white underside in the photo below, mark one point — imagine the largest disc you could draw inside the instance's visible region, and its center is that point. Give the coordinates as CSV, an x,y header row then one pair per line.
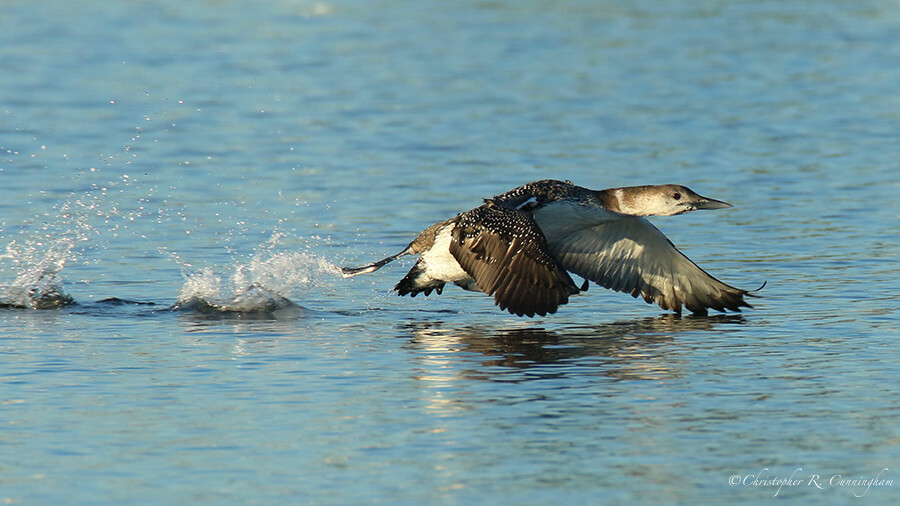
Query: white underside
x,y
439,263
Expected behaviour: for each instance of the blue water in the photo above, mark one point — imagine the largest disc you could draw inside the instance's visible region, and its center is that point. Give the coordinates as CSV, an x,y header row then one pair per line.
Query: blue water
x,y
178,153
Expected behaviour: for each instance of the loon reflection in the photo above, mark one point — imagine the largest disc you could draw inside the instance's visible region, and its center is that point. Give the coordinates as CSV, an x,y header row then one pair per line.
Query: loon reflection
x,y
634,349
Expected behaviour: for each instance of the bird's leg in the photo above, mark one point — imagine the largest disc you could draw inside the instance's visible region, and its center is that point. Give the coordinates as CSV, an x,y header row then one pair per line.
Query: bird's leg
x,y
349,272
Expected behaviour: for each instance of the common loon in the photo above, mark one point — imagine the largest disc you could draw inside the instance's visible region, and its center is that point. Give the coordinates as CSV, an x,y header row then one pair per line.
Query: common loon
x,y
520,247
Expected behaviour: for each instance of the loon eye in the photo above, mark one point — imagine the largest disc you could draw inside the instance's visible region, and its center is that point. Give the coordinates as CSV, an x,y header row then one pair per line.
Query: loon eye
x,y
676,196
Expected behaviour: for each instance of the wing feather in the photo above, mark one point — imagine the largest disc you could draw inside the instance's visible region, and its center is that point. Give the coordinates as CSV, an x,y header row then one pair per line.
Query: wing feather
x,y
508,256
630,255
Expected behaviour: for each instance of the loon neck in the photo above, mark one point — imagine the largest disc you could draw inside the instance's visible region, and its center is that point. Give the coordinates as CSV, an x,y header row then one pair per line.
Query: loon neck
x,y
615,200
634,200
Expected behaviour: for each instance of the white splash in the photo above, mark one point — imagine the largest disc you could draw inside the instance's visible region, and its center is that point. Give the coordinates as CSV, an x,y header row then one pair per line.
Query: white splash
x,y
264,283
38,256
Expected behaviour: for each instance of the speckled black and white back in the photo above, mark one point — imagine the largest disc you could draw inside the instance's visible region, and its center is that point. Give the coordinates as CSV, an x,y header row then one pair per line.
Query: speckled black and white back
x,y
537,194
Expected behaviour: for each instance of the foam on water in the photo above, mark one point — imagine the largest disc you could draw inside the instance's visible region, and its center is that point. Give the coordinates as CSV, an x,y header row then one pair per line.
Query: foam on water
x,y
263,283
71,231
39,255
45,291
79,227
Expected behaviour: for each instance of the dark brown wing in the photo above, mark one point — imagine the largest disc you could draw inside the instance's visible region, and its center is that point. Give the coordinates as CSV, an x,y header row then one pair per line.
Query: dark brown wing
x,y
507,255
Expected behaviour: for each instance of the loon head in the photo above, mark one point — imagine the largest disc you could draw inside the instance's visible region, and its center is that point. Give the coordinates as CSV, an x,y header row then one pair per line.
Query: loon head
x,y
657,200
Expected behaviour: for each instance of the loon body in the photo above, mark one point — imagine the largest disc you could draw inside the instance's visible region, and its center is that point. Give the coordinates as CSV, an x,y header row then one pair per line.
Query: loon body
x,y
520,247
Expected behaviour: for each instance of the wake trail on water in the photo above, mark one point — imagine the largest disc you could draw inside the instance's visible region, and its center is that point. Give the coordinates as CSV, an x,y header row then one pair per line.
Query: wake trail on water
x,y
37,262
123,200
33,290
264,283
79,229
44,244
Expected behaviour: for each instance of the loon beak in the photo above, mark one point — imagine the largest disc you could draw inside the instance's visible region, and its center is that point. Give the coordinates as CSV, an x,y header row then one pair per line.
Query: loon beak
x,y
705,203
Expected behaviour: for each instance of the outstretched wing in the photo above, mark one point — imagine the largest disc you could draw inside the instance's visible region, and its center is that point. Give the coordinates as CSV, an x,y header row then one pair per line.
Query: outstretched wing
x,y
507,255
630,255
